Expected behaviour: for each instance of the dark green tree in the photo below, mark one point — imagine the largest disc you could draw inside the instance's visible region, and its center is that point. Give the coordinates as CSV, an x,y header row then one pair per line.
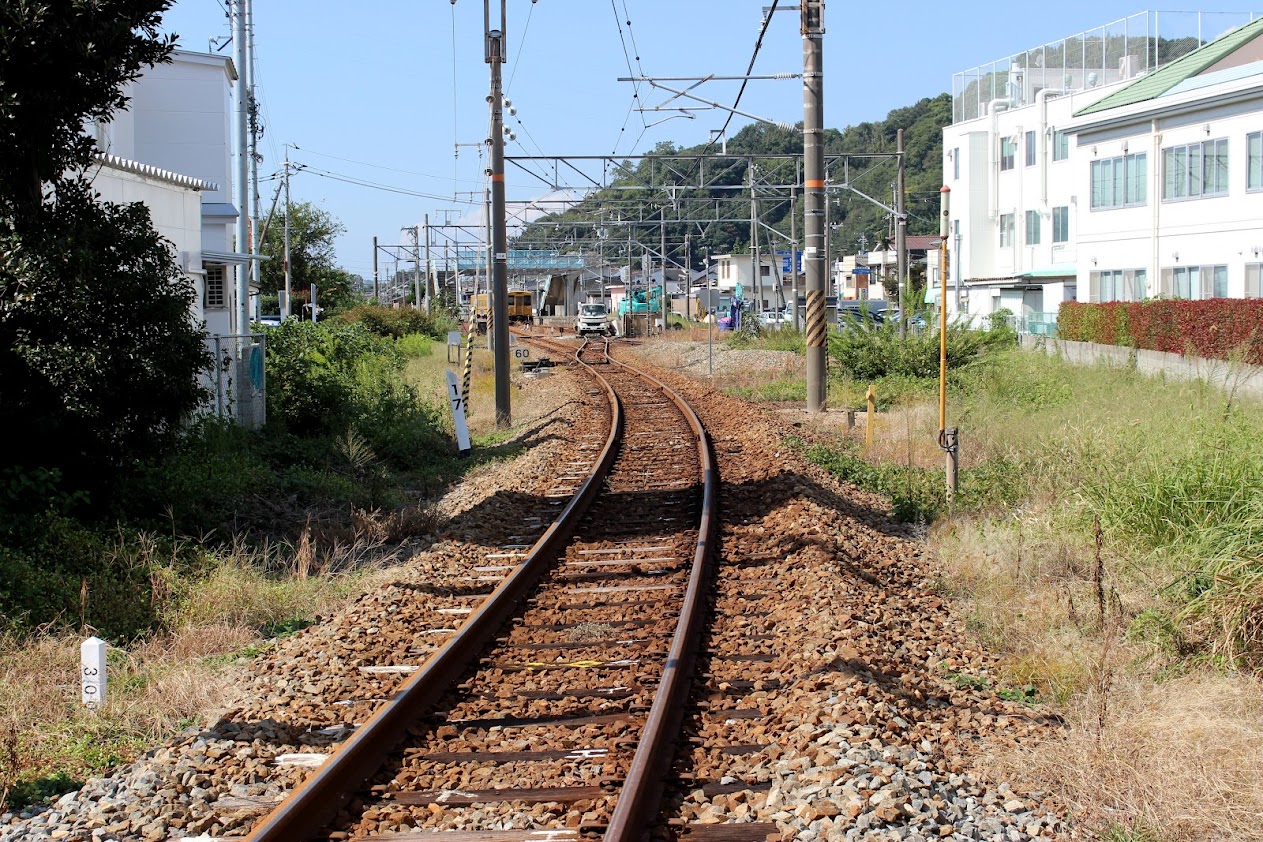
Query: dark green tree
x,y
312,258
99,359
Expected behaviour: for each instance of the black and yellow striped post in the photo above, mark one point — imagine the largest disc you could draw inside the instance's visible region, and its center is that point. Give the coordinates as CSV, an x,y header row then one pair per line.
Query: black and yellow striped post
x,y
469,362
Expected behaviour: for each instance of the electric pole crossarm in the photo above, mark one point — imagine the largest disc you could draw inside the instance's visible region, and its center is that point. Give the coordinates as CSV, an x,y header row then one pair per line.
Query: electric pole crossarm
x,y
537,176
721,106
887,208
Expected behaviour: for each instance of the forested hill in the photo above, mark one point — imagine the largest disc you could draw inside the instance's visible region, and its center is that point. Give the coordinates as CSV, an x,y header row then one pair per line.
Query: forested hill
x,y
852,216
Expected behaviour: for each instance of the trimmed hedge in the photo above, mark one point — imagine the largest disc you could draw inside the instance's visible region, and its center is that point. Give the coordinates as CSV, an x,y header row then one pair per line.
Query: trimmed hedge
x,y
1215,328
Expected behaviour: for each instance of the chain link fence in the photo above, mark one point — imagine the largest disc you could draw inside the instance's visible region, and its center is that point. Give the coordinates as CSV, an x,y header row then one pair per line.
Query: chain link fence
x,y
238,379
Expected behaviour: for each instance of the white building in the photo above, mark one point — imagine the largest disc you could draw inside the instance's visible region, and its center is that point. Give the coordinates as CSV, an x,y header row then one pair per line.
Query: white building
x,y
772,289
171,150
179,121
1120,163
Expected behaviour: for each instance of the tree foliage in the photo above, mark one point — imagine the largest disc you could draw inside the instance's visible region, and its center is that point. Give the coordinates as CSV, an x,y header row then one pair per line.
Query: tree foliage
x,y
63,62
851,215
99,359
312,251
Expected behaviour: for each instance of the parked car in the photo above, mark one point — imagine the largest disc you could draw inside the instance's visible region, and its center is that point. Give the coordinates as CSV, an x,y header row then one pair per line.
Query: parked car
x,y
270,321
775,318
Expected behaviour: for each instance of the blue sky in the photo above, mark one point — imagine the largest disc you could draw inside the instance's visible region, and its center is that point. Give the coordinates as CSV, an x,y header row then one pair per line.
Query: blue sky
x,y
382,90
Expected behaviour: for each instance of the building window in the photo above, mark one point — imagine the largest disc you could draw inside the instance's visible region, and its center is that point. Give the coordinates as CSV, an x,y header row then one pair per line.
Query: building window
x,y
1006,230
956,163
1117,285
1119,182
1008,153
1195,170
1253,272
1061,224
1061,145
1195,282
1030,149
1032,228
1254,164
765,270
216,297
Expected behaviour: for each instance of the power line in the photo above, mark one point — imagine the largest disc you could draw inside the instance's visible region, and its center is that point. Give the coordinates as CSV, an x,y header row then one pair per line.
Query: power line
x,y
359,182
517,59
767,20
627,57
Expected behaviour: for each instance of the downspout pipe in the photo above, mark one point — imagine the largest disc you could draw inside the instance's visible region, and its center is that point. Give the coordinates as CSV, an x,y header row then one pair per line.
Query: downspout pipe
x,y
1041,100
994,107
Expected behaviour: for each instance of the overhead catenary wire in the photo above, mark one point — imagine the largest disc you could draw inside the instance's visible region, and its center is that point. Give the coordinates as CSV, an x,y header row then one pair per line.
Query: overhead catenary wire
x,y
758,45
618,21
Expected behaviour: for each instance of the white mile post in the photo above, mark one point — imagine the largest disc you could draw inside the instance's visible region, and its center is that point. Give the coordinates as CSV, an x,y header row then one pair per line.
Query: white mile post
x,y
92,672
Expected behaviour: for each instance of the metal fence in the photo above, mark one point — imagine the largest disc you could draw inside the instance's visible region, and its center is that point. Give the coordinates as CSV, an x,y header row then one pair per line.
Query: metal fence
x,y
1111,53
238,379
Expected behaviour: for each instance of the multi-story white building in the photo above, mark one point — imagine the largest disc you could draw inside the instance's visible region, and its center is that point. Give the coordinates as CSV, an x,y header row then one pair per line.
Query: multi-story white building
x,y
178,122
170,149
1117,164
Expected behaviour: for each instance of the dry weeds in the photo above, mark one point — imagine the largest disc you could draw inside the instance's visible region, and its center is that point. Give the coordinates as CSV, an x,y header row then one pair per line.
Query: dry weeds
x,y
1181,760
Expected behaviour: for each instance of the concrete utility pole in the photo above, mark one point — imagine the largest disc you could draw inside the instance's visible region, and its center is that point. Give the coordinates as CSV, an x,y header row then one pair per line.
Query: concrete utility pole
x,y
243,169
429,297
253,102
663,231
793,251
289,291
755,287
813,195
377,288
416,268
901,240
499,236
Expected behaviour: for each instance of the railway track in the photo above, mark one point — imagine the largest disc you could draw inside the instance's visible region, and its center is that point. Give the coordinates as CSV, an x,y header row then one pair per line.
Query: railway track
x,y
569,721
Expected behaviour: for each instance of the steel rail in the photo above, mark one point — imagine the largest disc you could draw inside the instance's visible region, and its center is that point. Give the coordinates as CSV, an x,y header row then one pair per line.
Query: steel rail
x,y
641,795
319,797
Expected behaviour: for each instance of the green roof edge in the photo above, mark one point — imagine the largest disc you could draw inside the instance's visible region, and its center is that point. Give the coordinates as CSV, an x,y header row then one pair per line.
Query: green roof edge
x,y
1165,78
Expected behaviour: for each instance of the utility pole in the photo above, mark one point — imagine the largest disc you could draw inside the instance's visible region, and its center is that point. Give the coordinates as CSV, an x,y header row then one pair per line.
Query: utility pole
x,y
377,289
289,301
429,297
756,285
813,195
243,169
901,240
255,245
663,230
793,249
688,275
416,268
495,57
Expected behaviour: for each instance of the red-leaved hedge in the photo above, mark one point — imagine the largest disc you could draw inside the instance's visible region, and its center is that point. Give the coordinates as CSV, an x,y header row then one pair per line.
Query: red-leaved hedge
x,y
1214,328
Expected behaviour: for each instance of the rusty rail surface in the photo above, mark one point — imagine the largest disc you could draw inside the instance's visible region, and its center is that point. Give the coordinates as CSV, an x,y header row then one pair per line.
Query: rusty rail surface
x,y
309,808
318,798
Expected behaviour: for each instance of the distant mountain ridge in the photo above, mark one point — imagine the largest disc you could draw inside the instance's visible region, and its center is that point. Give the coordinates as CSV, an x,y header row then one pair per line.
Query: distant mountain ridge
x,y
853,219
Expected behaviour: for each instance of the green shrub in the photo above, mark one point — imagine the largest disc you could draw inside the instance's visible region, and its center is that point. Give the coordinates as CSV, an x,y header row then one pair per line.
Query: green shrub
x,y
870,351
385,321
415,345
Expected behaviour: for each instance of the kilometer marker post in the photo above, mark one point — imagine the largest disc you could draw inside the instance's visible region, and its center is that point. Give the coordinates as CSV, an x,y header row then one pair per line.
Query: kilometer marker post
x,y
458,414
